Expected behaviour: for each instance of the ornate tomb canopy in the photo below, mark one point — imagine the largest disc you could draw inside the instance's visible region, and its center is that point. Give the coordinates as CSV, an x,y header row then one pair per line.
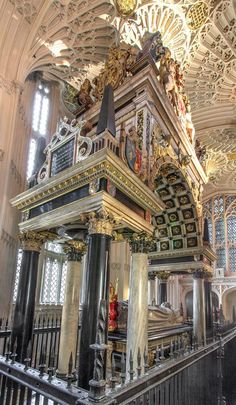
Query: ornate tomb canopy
x,y
69,41
121,158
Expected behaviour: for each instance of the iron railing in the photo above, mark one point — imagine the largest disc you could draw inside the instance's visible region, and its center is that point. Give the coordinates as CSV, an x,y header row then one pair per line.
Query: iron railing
x,y
186,376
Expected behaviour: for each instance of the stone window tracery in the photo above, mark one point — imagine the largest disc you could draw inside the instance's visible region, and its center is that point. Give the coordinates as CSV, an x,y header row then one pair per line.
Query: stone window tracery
x,y
220,211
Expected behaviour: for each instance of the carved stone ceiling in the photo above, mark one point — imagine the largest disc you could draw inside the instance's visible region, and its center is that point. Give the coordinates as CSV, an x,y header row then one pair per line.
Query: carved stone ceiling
x,y
70,41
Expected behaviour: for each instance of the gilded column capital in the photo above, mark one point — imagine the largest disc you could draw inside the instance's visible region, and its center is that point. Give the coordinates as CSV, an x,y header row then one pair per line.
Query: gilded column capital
x,y
141,243
75,249
31,240
101,221
163,275
202,273
152,276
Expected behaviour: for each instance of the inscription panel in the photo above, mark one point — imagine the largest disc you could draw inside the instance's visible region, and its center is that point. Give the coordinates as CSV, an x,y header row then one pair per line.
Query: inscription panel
x,y
62,157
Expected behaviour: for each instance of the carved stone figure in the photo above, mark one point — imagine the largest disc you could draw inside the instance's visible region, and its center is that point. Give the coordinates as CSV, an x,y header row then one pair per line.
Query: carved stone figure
x,y
200,152
189,124
133,153
168,78
152,44
83,97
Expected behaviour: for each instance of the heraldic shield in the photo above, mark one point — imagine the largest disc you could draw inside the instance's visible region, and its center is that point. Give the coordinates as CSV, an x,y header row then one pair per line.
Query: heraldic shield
x,y
133,155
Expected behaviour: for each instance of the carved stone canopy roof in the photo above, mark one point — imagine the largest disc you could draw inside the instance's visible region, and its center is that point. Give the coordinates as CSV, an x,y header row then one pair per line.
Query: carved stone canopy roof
x,y
69,40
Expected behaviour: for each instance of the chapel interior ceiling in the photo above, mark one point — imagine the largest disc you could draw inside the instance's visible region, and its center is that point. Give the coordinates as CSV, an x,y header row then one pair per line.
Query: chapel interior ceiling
x,y
70,41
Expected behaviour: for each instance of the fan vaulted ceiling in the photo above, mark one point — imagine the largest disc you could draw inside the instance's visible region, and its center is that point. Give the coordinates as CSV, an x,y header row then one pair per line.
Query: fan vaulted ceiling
x,y
69,40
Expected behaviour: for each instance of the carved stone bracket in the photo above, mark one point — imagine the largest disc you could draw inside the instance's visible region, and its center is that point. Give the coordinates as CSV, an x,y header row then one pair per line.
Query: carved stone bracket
x,y
75,250
101,221
31,240
141,243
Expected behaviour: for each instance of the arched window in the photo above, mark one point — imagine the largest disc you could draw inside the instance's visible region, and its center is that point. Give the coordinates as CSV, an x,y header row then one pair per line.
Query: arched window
x,y
221,214
39,128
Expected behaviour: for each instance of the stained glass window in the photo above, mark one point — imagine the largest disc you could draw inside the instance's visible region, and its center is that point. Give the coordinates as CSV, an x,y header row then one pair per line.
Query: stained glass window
x,y
232,259
219,231
221,214
218,205
231,228
54,274
210,229
221,258
228,200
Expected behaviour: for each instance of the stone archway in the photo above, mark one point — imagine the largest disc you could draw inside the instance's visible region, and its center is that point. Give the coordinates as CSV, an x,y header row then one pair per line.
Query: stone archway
x,y
229,304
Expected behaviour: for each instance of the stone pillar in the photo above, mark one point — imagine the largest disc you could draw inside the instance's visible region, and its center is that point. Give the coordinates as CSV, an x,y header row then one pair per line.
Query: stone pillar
x,y
199,325
208,307
152,289
22,328
96,290
163,279
70,312
137,327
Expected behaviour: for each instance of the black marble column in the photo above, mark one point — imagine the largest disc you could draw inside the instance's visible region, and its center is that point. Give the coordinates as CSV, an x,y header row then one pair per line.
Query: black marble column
x,y
96,289
208,308
162,288
22,328
162,291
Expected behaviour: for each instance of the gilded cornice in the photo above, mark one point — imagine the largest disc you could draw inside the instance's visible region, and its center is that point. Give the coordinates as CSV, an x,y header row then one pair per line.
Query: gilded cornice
x,y
101,164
